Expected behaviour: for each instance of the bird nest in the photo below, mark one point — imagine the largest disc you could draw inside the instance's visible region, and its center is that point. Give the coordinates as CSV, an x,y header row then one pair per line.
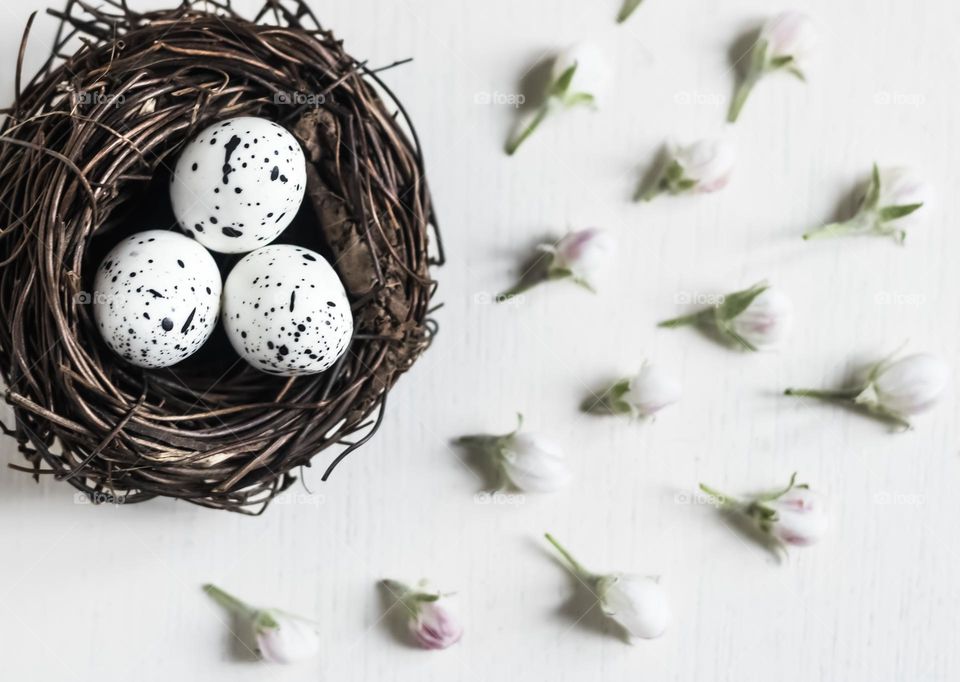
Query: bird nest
x,y
86,153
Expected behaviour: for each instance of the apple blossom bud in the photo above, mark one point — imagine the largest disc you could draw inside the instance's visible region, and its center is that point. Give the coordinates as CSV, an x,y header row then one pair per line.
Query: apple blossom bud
x,y
910,385
786,43
892,202
794,515
639,604
529,462
432,626
580,76
579,256
591,71
702,167
281,637
800,518
894,390
766,322
758,318
642,395
791,35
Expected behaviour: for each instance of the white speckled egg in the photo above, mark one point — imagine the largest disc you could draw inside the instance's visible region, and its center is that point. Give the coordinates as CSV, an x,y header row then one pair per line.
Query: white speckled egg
x,y
238,184
156,298
286,312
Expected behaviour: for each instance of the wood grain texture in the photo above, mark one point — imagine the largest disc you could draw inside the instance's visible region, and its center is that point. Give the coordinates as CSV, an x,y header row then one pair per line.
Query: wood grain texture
x,y
114,593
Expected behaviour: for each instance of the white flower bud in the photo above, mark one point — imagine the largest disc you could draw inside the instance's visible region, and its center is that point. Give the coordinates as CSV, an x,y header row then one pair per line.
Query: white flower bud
x,y
638,603
534,464
284,638
529,462
651,390
900,186
910,385
800,517
766,322
707,163
895,199
792,35
579,256
281,637
580,76
758,318
582,255
592,75
894,391
792,516
787,42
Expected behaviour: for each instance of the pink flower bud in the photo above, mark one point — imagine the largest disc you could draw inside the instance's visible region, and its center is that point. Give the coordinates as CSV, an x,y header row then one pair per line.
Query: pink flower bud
x,y
707,163
434,627
583,253
791,34
800,517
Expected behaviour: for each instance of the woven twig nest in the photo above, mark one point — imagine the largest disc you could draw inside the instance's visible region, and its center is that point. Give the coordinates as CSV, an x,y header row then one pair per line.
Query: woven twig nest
x,y
85,157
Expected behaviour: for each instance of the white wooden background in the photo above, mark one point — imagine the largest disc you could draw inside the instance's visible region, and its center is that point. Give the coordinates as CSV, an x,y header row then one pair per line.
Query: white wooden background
x,y
114,593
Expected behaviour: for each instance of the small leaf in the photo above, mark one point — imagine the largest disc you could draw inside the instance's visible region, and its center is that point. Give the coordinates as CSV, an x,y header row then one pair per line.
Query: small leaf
x,y
872,197
894,212
793,71
734,304
560,87
674,172
629,6
780,62
578,98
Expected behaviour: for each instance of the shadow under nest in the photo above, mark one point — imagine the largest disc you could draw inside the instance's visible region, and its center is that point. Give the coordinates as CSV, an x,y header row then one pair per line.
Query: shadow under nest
x,y
85,156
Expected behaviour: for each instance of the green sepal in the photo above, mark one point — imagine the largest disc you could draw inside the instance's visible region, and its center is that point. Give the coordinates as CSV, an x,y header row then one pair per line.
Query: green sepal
x,y
578,98
872,197
777,494
560,86
781,62
734,304
894,212
628,8
611,402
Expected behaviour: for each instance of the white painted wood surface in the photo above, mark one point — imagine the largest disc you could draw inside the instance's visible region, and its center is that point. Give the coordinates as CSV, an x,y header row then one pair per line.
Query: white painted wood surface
x,y
114,593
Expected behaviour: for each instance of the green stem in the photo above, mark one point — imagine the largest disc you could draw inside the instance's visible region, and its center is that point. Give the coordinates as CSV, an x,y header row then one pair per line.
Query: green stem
x,y
740,97
821,394
829,230
725,500
861,223
514,144
692,318
229,602
517,289
574,564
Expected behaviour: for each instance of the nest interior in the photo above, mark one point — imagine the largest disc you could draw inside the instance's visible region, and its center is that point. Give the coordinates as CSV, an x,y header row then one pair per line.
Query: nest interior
x,y
84,154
